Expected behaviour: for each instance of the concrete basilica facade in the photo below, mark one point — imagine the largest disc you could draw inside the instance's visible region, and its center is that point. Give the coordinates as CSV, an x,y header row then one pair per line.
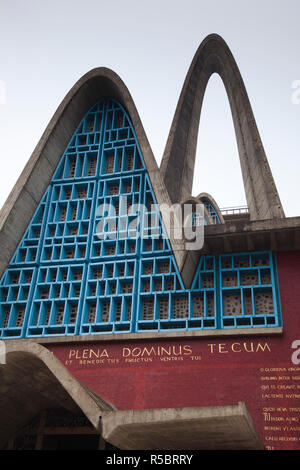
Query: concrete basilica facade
x,y
113,340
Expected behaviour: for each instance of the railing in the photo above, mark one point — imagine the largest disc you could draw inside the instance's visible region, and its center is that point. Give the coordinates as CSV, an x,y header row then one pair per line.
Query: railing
x,y
235,210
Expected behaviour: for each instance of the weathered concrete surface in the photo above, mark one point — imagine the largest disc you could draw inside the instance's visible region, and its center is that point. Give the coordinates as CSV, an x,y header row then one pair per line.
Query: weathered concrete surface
x,y
33,379
177,166
278,234
205,428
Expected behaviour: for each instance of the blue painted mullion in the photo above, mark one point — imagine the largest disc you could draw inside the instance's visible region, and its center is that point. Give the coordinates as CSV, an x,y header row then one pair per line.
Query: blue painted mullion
x,y
30,303
219,314
137,282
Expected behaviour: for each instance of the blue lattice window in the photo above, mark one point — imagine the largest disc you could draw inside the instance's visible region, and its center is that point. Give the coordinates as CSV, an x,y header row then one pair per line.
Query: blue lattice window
x,y
57,299
198,219
109,297
87,265
15,295
212,212
159,287
248,287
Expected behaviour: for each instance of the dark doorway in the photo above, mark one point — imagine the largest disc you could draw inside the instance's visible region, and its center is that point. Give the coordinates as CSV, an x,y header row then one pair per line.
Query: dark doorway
x,y
58,429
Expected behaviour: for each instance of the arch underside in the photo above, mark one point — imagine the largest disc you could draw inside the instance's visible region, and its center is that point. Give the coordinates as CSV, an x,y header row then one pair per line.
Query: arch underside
x,y
32,379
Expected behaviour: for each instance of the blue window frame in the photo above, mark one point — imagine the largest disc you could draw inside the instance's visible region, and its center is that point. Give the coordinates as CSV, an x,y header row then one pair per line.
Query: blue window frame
x,y
81,267
249,290
212,212
198,219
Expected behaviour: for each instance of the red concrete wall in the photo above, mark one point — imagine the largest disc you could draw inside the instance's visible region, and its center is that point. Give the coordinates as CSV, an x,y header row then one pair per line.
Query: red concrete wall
x,y
263,372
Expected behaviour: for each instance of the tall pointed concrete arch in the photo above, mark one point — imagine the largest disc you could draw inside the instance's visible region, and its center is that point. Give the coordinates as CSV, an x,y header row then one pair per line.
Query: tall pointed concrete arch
x,y
214,56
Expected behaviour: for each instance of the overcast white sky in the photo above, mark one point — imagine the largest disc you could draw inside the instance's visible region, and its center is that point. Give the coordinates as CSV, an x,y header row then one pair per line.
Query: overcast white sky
x,y
47,45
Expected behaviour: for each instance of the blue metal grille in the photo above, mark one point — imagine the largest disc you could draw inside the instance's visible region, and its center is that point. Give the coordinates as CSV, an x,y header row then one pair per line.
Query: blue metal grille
x,y
82,267
248,286
198,219
212,212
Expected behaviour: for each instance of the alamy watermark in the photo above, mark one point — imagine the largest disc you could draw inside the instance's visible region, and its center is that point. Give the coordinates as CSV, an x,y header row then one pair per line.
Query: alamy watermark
x,y
2,352
296,354
2,92
296,93
181,222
